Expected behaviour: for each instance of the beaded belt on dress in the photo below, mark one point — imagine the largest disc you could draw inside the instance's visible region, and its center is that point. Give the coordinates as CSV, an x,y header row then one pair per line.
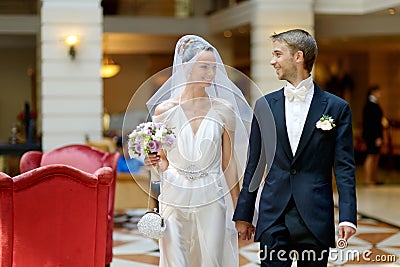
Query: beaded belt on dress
x,y
192,172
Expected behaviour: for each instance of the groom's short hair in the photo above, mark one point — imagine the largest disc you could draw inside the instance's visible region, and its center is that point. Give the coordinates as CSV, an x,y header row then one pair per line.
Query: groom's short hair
x,y
299,40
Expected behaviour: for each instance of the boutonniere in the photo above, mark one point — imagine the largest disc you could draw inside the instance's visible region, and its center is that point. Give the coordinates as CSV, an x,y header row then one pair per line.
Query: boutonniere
x,y
325,123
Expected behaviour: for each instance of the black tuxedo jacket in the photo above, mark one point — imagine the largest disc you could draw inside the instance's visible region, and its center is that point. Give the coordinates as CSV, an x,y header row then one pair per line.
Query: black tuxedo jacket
x,y
306,176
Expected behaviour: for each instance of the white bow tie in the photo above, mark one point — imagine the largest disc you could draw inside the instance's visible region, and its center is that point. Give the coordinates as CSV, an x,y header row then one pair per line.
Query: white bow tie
x,y
292,94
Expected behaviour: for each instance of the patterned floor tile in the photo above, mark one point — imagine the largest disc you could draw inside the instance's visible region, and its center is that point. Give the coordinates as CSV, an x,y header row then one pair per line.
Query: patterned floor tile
x,y
375,244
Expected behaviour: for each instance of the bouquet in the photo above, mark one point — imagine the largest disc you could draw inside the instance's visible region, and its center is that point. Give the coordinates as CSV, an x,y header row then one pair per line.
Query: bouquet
x,y
147,138
150,137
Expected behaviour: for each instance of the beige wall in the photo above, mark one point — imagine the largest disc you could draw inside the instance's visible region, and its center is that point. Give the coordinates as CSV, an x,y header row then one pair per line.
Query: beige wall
x,y
15,85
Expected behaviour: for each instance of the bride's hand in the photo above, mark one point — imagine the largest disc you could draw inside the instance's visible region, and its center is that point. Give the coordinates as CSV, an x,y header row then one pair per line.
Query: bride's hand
x,y
245,230
151,161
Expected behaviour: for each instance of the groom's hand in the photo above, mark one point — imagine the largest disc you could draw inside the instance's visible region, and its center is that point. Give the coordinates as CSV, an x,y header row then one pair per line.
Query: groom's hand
x,y
346,232
245,230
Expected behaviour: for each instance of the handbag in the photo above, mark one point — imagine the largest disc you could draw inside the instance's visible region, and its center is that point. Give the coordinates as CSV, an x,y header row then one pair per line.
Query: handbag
x,y
152,223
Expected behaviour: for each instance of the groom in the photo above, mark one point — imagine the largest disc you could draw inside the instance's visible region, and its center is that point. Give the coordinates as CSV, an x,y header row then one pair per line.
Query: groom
x,y
296,209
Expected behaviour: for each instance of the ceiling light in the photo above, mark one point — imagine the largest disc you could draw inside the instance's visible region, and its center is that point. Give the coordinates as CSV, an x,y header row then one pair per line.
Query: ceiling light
x,y
242,30
109,68
228,33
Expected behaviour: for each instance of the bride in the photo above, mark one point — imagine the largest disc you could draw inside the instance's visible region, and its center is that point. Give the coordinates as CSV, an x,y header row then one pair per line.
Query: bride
x,y
200,175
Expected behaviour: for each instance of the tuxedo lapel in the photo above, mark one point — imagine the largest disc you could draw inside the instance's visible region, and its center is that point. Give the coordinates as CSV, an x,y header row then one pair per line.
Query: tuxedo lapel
x,y
278,109
315,112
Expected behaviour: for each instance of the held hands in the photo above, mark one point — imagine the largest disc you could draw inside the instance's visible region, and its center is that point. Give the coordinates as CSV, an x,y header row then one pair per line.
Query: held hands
x,y
245,230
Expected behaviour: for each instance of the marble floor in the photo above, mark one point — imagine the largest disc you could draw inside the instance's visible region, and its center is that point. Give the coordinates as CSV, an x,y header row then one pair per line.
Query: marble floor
x,y
376,243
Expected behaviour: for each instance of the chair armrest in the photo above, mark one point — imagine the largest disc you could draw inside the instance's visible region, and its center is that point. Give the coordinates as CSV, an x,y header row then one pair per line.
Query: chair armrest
x,y
105,175
30,160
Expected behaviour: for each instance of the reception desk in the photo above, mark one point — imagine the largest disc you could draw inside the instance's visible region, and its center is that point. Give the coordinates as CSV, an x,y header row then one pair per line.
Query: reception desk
x,y
18,149
10,155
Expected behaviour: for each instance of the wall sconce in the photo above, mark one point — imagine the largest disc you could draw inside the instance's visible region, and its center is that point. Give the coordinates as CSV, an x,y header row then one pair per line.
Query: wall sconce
x,y
109,68
71,41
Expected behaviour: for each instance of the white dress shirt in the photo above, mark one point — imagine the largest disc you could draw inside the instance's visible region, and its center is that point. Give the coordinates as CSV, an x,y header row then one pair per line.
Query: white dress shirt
x,y
296,112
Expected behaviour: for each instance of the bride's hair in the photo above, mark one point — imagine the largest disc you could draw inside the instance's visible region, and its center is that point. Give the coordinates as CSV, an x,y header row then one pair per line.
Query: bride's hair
x,y
189,46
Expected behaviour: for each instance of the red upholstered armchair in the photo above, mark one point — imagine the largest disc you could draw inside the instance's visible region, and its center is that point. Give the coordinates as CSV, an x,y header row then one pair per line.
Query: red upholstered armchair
x,y
54,215
85,158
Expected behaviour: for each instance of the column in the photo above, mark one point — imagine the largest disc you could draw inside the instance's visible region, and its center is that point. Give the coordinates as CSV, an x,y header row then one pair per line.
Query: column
x,y
70,88
271,16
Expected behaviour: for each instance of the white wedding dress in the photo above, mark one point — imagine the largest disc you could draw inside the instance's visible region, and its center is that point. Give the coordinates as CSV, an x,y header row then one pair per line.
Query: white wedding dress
x,y
194,199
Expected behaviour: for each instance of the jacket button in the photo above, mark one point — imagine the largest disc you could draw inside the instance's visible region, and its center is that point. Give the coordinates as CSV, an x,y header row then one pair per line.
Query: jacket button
x,y
293,171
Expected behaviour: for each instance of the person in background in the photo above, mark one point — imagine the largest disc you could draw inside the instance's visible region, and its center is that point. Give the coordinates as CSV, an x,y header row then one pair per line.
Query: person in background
x,y
372,134
126,164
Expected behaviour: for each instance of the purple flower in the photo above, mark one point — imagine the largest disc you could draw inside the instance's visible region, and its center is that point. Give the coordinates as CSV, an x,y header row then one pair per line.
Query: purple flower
x,y
158,145
169,140
153,146
138,148
130,143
